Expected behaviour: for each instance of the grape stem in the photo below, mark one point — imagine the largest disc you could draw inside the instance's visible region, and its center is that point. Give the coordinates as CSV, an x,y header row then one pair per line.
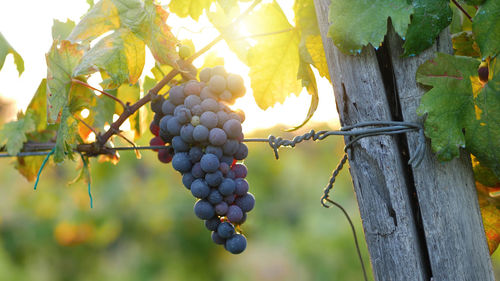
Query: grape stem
x,y
462,9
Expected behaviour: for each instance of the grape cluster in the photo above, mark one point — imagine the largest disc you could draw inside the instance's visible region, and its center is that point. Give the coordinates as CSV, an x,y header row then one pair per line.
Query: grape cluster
x,y
203,139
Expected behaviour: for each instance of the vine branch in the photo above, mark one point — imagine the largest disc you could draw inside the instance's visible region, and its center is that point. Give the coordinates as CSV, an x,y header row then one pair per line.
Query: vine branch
x,y
462,9
100,91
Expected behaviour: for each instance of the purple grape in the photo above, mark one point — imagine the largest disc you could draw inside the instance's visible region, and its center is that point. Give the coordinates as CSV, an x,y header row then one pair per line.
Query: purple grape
x,y
157,103
168,108
242,152
200,133
208,119
229,199
197,171
181,162
183,114
227,159
212,224
176,95
215,197
236,244
191,101
187,180
209,163
225,229
214,150
210,105
224,168
195,154
173,126
240,171
200,189
217,137
187,133
192,88
204,210
227,187
217,239
230,147
221,208
234,213
179,145
246,202
241,187
197,110
222,117
232,128
230,175
214,179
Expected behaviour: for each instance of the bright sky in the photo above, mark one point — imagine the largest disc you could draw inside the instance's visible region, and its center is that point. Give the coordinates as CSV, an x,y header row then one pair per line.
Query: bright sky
x,y
27,26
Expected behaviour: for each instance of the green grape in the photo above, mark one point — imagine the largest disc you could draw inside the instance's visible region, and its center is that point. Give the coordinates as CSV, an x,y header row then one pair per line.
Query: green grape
x,y
185,51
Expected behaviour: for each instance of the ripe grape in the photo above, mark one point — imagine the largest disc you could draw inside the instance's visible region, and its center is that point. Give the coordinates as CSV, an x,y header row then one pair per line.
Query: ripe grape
x,y
203,140
156,141
217,84
236,244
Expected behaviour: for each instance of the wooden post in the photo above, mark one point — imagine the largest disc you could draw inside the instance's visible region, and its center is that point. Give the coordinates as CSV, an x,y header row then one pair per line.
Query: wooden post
x,y
419,223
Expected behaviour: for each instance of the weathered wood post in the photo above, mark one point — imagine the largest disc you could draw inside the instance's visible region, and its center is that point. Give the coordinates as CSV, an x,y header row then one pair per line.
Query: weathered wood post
x,y
419,223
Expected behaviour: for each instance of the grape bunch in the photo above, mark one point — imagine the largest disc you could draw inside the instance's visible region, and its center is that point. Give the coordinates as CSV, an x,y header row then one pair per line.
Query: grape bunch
x,y
203,141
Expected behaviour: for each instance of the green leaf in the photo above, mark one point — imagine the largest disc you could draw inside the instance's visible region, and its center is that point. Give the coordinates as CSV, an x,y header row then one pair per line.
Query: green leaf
x,y
38,106
486,28
148,84
60,64
460,102
157,35
358,23
192,8
61,30
211,59
311,45
5,49
449,103
464,45
67,136
484,175
309,81
273,62
430,17
121,54
132,93
13,134
474,2
103,110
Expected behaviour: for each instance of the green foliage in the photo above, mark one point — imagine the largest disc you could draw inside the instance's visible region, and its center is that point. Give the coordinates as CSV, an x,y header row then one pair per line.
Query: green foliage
x,y
429,18
274,64
5,49
459,102
61,30
486,28
355,24
192,8
13,134
121,54
464,45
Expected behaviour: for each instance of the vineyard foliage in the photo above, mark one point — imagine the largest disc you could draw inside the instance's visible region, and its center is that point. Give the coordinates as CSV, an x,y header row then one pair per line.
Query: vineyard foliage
x,y
461,106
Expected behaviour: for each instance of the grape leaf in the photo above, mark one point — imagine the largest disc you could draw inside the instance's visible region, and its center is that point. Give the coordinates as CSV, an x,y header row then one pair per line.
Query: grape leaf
x,y
430,17
158,36
309,81
121,54
67,136
474,2
13,134
61,30
486,28
490,212
310,42
484,175
29,166
449,103
355,24
5,49
460,101
228,5
464,45
145,20
132,93
148,84
211,59
192,8
38,106
60,64
273,62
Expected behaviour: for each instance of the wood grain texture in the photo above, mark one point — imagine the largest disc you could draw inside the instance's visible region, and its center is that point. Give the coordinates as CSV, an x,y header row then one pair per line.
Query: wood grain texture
x,y
376,166
446,191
